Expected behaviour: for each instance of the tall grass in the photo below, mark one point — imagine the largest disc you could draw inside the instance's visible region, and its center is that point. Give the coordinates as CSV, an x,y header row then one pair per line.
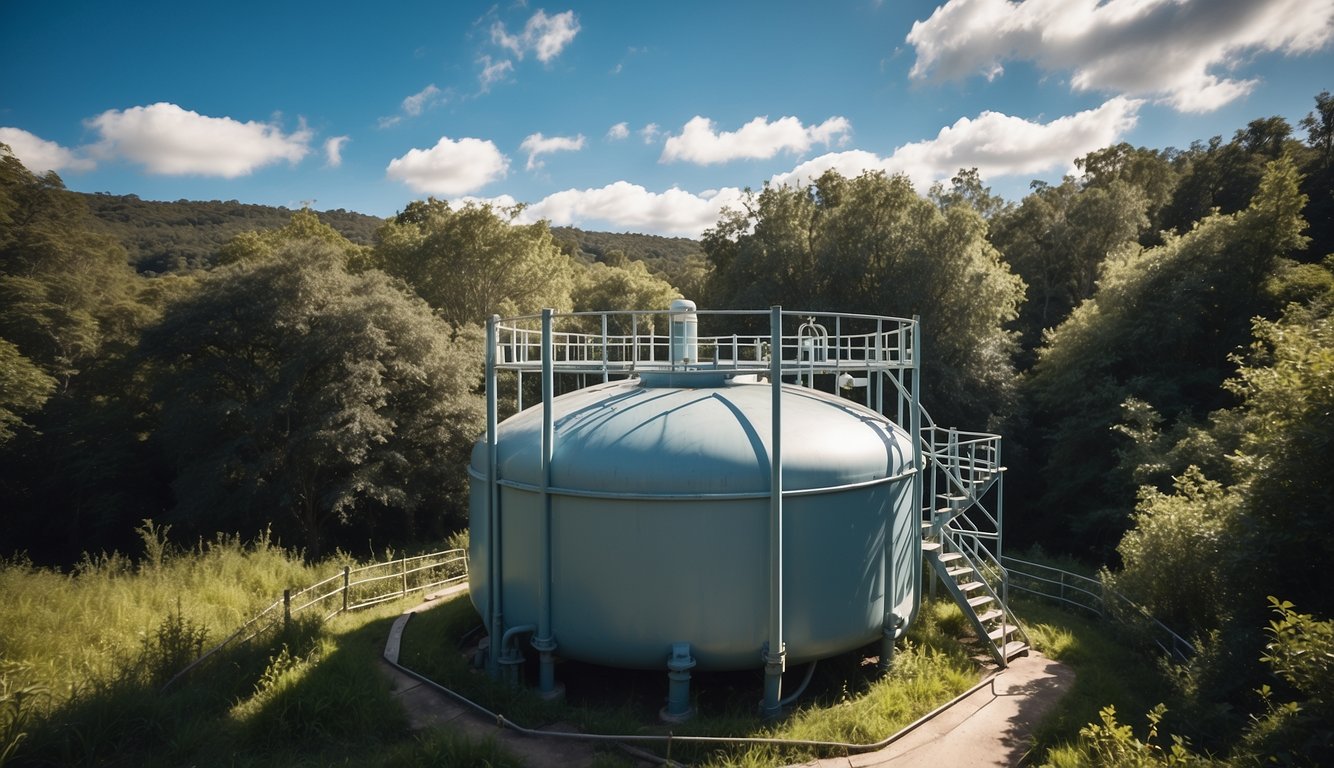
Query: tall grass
x,y
84,655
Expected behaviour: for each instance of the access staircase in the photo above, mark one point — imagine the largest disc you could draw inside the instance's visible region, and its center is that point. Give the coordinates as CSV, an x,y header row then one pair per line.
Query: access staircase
x,y
961,533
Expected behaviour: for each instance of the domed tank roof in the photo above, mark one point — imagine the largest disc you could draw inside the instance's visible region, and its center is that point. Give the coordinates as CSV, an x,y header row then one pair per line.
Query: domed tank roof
x,y
626,437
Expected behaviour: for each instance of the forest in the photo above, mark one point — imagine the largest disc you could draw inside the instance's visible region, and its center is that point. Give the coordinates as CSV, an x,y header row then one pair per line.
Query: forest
x,y
1151,336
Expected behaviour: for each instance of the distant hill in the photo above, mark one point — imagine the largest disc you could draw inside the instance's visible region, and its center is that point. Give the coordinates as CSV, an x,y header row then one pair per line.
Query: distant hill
x,y
677,259
187,234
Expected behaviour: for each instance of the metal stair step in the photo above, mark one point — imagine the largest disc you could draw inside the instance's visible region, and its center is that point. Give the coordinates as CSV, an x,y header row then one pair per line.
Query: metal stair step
x,y
1002,632
957,571
1014,648
974,602
931,546
970,586
989,615
949,557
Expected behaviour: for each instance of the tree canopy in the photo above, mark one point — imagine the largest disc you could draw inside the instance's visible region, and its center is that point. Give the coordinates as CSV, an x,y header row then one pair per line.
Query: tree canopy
x,y
872,244
296,393
475,261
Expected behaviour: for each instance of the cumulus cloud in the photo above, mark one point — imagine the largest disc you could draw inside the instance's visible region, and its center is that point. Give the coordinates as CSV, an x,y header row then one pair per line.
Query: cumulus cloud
x,y
544,36
632,207
650,133
994,143
1183,52
450,167
618,131
39,155
172,141
537,145
333,150
758,139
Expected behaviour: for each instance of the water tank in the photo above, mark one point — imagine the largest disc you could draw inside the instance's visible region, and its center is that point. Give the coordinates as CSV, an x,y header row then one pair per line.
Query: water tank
x,y
660,504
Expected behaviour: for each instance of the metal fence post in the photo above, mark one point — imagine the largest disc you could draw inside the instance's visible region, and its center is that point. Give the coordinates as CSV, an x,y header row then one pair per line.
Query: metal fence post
x,y
346,575
287,608
403,569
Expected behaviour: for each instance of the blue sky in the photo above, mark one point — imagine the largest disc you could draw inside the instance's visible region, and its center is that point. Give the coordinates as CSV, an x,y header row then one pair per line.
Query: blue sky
x,y
627,116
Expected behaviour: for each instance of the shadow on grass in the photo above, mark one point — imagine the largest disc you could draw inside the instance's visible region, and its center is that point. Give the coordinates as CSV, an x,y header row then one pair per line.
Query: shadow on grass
x,y
309,695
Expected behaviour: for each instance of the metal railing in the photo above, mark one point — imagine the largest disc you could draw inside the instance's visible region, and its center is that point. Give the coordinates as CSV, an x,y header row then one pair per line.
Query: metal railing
x,y
1093,596
626,342
349,590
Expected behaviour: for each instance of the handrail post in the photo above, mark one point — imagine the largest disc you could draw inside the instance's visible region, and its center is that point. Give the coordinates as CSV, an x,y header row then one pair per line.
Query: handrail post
x,y
543,640
347,572
403,571
775,653
287,608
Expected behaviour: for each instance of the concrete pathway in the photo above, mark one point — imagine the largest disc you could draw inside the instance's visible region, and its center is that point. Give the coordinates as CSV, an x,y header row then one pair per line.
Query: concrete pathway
x,y
990,727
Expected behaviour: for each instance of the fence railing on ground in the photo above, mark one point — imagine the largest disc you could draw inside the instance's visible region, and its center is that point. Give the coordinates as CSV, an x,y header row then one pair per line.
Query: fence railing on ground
x,y
348,590
1091,595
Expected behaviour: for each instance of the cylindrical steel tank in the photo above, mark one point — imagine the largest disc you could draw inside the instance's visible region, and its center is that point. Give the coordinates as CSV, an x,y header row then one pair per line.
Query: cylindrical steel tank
x,y
659,498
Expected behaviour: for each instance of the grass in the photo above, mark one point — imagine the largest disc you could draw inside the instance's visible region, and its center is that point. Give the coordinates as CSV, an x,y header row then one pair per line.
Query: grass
x,y
1108,671
83,656
848,700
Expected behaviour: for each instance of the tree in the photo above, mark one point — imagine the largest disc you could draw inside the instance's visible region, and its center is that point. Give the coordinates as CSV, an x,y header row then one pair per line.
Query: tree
x,y
471,263
1319,127
1161,328
24,388
304,226
298,394
600,287
1057,240
966,188
872,244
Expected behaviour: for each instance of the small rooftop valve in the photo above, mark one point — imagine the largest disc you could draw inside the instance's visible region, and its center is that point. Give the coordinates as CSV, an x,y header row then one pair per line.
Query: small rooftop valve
x,y
685,332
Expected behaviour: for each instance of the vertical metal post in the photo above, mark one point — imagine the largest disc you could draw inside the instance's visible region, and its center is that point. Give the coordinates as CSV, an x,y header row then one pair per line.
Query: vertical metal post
x,y
347,571
403,571
496,577
543,641
605,377
915,429
775,653
287,608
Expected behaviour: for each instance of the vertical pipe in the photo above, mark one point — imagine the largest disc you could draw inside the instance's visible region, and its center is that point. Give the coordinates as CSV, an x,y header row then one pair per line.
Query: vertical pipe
x,y
496,578
347,573
542,639
605,377
775,653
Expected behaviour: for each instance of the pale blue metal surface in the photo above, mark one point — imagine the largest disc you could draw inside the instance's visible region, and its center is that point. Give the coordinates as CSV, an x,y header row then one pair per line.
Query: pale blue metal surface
x,y
660,522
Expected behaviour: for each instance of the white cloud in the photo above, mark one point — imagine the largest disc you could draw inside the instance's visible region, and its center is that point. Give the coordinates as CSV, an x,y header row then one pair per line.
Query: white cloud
x,y
650,133
494,72
414,104
1183,52
169,140
634,208
537,145
39,155
450,167
333,150
543,35
994,143
618,131
758,139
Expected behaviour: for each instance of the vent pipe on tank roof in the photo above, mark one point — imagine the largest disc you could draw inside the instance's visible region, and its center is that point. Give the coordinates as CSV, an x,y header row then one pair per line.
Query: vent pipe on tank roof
x,y
684,331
